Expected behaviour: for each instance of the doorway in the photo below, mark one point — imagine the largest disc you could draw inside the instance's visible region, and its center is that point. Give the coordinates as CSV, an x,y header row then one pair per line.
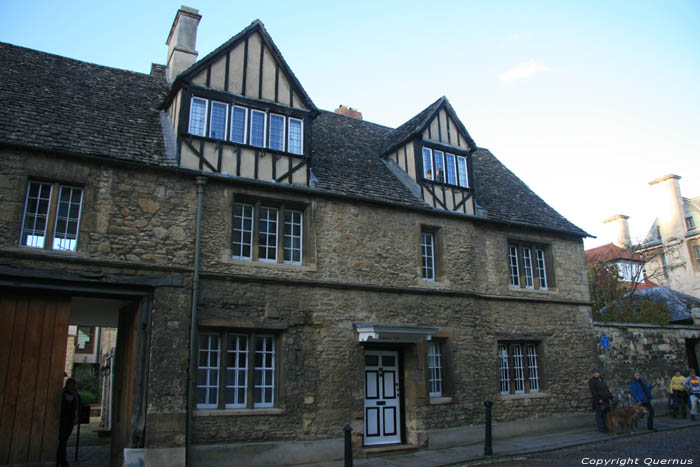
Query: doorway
x,y
382,397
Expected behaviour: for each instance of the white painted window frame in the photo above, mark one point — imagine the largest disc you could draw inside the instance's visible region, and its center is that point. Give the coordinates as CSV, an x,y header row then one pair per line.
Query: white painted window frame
x,y
439,157
245,123
208,369
451,162
243,230
283,128
233,349
428,157
291,237
211,119
205,114
301,136
533,367
527,267
514,266
435,372
63,242
253,113
269,244
541,268
428,256
37,241
463,178
268,359
503,369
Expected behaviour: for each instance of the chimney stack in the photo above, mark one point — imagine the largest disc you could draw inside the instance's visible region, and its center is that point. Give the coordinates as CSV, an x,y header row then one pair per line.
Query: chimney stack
x,y
349,111
670,216
623,230
182,41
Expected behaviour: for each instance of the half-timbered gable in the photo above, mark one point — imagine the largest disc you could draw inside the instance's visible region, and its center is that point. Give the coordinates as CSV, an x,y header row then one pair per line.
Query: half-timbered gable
x,y
434,149
240,111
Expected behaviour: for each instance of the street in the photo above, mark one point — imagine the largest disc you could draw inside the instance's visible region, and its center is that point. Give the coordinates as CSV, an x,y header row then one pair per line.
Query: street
x,y
672,447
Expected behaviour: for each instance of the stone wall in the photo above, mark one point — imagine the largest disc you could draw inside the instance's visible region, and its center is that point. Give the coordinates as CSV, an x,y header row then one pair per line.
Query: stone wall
x,y
654,351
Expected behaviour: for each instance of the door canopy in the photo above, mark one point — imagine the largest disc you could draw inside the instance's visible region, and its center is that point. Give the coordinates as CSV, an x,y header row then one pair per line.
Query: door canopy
x,y
393,333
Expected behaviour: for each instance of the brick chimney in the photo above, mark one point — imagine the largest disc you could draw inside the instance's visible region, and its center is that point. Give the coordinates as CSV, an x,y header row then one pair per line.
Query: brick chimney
x,y
182,41
622,239
349,111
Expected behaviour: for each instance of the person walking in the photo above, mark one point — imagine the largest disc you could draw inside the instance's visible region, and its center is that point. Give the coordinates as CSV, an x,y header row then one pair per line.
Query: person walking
x,y
692,384
641,391
601,397
679,394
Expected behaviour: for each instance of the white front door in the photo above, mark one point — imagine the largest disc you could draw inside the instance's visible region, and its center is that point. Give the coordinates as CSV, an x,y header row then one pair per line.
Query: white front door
x,y
382,402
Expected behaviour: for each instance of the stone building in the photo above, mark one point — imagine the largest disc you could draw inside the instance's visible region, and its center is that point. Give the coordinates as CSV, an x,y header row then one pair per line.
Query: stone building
x,y
276,271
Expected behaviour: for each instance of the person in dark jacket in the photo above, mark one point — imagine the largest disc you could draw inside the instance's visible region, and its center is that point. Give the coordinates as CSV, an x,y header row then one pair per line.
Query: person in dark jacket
x,y
600,394
70,402
641,391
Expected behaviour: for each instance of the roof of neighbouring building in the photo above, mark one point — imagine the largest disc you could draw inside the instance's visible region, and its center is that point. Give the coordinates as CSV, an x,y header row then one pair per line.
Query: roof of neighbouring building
x,y
60,104
679,303
611,252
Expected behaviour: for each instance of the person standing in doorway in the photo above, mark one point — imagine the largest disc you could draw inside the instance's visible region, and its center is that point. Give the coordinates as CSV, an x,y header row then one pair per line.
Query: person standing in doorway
x,y
692,383
70,402
600,394
641,391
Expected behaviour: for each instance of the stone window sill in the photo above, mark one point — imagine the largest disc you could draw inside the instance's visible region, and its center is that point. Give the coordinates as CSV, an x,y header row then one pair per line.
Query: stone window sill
x,y
440,400
551,291
532,395
236,412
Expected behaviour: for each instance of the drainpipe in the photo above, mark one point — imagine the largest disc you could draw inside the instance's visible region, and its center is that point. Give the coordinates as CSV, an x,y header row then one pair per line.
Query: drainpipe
x,y
201,182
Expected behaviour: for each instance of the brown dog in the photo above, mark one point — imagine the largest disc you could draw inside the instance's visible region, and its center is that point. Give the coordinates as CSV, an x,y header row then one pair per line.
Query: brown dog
x,y
626,418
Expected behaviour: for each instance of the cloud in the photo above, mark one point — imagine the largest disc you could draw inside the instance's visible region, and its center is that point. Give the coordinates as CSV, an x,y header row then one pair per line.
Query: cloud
x,y
523,71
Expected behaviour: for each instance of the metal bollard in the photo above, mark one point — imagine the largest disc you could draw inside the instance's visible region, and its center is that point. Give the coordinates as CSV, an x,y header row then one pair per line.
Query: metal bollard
x,y
348,445
488,448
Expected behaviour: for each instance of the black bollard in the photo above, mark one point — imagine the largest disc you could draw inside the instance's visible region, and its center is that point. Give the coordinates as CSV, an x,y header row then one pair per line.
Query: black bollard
x,y
488,448
348,445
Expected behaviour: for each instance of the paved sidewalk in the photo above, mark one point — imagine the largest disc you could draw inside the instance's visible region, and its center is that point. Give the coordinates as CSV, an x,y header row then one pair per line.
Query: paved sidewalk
x,y
507,447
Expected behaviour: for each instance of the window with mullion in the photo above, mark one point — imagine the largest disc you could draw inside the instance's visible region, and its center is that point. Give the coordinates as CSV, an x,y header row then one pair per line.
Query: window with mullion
x,y
527,267
263,393
276,132
208,371
218,120
533,368
267,234
239,120
295,144
541,268
293,228
519,367
439,157
257,128
462,171
450,165
198,116
65,235
427,164
514,269
236,371
434,369
428,256
36,214
242,231
503,369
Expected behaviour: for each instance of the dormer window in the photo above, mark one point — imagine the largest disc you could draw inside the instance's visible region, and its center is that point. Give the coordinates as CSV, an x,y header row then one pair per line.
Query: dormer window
x,y
198,116
239,120
257,128
295,143
276,132
219,115
445,167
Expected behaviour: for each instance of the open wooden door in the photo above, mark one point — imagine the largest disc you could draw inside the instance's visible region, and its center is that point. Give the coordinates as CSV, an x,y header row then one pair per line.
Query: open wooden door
x,y
33,338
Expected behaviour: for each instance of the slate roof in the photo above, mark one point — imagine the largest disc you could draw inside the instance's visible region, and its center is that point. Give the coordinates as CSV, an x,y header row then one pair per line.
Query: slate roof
x,y
679,303
56,103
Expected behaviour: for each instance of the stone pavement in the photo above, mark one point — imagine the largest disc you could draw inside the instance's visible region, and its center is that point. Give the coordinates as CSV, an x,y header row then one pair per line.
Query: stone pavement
x,y
524,444
98,455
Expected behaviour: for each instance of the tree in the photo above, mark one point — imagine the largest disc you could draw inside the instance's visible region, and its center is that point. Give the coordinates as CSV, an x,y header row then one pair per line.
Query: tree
x,y
615,300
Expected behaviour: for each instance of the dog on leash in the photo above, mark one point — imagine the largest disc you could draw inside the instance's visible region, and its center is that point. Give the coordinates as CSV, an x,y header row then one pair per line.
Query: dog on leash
x,y
625,418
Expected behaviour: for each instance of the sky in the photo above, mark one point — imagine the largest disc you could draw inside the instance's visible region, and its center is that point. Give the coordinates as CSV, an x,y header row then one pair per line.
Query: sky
x,y
586,102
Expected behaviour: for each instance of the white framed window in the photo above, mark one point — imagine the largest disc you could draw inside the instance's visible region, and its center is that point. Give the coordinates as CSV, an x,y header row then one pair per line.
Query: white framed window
x,y
276,141
41,207
267,234
434,369
519,367
439,157
428,164
242,241
541,268
264,372
428,256
239,122
462,171
527,267
257,128
690,223
225,360
293,234
295,144
533,271
198,116
209,358
450,167
513,263
236,374
218,120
